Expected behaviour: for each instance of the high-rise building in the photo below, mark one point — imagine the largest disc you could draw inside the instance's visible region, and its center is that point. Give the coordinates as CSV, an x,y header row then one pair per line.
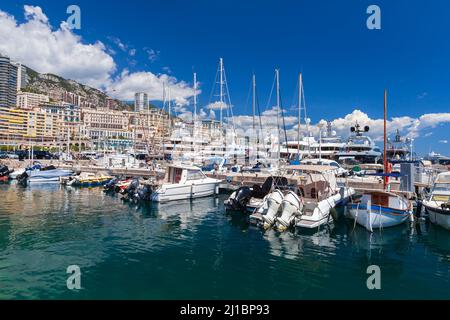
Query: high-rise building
x,y
22,76
8,83
140,101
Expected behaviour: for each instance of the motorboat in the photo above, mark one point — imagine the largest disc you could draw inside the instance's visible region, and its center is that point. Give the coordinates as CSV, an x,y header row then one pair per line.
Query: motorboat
x,y
183,182
377,209
251,198
4,173
340,171
307,204
437,204
88,179
49,174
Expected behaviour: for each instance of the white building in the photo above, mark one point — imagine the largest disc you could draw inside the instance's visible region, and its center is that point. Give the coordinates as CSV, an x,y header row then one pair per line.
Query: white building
x,y
28,100
140,101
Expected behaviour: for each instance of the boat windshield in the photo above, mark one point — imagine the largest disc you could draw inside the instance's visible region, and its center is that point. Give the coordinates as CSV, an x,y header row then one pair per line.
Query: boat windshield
x,y
441,198
195,175
441,187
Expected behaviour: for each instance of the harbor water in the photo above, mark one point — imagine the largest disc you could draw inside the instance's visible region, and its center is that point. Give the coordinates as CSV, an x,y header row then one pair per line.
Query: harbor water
x,y
195,250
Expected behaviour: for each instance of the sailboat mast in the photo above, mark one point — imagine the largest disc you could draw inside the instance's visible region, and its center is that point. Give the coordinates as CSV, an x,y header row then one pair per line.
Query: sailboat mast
x,y
299,113
254,101
277,73
195,97
221,88
385,141
194,131
254,112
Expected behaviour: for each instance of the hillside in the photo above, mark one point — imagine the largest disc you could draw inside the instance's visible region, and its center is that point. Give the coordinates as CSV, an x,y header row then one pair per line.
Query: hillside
x,y
55,86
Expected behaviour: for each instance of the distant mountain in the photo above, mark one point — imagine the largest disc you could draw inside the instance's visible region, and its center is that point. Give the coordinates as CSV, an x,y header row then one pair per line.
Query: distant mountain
x,y
55,86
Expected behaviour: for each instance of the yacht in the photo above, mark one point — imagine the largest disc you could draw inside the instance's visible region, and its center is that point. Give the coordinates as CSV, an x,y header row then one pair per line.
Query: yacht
x,y
329,144
399,148
360,147
437,204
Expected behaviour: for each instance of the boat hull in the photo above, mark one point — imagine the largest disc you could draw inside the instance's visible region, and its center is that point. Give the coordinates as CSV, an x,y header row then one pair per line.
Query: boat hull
x,y
376,217
438,216
183,192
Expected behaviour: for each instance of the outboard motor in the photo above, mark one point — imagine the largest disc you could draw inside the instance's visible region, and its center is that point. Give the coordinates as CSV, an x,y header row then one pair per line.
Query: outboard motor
x,y
130,190
109,186
23,178
144,193
274,201
241,198
4,171
291,206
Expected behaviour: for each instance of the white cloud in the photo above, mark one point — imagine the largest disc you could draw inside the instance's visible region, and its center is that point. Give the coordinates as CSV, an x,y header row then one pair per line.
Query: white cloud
x,y
58,50
125,85
217,106
422,95
443,141
122,46
408,126
153,55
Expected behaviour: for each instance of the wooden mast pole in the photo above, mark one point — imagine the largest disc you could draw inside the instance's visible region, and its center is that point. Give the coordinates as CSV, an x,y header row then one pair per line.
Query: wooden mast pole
x,y
386,169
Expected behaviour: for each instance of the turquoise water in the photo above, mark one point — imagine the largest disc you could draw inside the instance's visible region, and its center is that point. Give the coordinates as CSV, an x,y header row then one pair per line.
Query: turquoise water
x,y
194,250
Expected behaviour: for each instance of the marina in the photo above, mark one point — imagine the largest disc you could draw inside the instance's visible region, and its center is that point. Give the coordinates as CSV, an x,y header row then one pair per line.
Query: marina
x,y
224,151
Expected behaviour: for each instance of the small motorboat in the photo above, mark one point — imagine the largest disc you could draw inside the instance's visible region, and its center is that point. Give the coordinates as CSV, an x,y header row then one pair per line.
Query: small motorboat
x,y
437,204
48,174
251,198
308,204
88,179
5,173
376,209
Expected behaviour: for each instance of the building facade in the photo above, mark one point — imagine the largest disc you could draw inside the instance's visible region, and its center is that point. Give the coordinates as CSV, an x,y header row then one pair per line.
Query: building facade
x,y
22,76
107,128
8,83
29,100
19,126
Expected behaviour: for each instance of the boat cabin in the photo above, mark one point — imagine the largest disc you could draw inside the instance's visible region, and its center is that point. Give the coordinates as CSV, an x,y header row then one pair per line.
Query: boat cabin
x,y
181,174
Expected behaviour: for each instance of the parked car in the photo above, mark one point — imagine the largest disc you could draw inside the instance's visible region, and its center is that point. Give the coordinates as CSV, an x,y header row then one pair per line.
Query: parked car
x,y
3,155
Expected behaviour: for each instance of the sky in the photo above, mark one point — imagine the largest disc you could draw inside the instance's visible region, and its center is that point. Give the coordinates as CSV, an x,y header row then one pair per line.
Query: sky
x,y
124,47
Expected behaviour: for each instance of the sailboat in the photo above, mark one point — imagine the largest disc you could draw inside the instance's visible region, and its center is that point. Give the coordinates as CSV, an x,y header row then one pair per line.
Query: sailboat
x,y
377,209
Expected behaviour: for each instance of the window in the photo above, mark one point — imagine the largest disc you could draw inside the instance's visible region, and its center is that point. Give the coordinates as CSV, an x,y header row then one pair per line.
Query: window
x,y
195,175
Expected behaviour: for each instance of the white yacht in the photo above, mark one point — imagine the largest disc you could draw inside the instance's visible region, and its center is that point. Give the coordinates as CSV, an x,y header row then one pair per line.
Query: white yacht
x,y
329,144
184,182
437,205
360,147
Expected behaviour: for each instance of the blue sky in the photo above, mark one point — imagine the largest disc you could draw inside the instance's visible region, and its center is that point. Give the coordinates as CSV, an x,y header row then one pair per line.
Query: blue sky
x,y
345,66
